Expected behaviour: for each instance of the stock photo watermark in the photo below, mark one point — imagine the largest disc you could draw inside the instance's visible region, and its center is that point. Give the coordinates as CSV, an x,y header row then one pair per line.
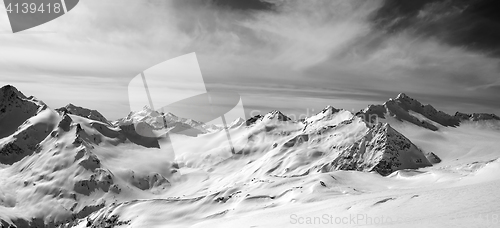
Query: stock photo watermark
x,y
26,14
351,219
177,85
365,219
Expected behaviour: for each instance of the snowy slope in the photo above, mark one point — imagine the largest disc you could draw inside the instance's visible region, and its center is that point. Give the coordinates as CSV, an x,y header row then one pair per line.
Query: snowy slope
x,y
75,170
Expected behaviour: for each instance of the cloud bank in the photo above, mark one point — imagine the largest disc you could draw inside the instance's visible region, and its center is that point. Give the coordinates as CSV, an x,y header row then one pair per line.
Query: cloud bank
x,y
296,56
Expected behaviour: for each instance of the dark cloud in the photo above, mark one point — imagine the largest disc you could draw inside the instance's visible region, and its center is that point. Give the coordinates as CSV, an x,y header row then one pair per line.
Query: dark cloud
x,y
472,24
287,55
244,4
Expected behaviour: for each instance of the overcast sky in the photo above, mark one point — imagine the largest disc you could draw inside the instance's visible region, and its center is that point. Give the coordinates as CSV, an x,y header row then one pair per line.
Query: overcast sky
x,y
295,56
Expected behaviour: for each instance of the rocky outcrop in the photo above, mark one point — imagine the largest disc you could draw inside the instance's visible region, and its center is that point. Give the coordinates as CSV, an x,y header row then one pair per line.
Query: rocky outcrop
x,y
83,112
400,109
131,134
146,182
23,143
433,158
410,104
475,116
253,119
382,149
15,108
65,123
276,115
101,179
11,153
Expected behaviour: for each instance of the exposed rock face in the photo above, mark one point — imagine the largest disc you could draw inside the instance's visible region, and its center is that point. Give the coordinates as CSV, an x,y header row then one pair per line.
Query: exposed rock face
x,y
410,104
11,153
130,133
476,116
382,149
20,135
83,112
15,108
326,143
277,115
253,119
145,182
433,158
391,108
101,179
401,113
271,116
402,107
297,140
23,143
88,160
65,123
83,136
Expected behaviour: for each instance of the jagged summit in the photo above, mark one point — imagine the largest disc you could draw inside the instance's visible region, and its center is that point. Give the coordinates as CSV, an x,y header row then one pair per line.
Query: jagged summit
x,y
328,110
15,109
83,112
411,110
476,116
253,119
276,114
8,91
237,122
403,96
382,149
272,116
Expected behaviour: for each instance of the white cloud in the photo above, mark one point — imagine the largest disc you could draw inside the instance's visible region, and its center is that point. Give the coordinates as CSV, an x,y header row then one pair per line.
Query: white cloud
x,y
322,46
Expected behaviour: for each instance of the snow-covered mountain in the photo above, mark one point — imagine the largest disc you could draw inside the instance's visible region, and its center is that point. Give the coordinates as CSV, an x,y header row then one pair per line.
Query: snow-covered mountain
x,y
169,121
24,122
71,167
83,112
410,110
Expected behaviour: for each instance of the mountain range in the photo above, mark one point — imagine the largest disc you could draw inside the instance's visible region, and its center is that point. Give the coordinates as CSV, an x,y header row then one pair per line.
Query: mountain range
x,y
72,167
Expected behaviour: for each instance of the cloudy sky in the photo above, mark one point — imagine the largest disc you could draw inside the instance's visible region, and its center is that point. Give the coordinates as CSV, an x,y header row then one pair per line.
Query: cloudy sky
x,y
295,56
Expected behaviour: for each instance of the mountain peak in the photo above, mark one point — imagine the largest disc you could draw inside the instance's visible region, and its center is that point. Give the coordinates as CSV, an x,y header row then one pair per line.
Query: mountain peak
x,y
330,109
237,122
15,108
9,91
277,114
403,96
396,152
407,102
8,88
382,149
402,108
83,112
476,116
